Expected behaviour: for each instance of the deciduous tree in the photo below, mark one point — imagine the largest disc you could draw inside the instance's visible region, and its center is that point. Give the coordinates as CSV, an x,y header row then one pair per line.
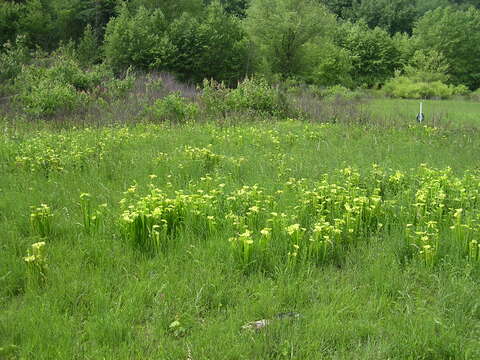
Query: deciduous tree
x,y
281,30
456,34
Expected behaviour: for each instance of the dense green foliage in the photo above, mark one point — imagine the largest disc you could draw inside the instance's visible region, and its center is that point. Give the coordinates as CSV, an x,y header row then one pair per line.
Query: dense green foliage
x,y
353,43
373,53
174,108
408,88
456,35
282,31
135,40
251,96
14,55
392,15
10,13
192,48
424,77
211,47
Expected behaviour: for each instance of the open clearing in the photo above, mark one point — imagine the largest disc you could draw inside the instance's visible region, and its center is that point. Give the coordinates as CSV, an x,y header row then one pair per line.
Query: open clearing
x,y
161,242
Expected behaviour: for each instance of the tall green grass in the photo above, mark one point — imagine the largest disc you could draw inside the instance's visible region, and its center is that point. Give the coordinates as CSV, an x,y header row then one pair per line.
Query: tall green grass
x,y
442,113
182,290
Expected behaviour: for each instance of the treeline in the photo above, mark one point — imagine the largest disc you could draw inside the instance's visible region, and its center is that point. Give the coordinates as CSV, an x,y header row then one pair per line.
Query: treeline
x,y
413,48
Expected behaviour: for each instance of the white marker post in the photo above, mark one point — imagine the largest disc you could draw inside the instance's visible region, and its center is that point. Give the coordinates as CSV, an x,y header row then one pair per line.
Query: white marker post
x,y
421,116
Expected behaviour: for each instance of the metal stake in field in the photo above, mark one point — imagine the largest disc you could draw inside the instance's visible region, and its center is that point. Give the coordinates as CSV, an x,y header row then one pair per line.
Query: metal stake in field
x,y
420,115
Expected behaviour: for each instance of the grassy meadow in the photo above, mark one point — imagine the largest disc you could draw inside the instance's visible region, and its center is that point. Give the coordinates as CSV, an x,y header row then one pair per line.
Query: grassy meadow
x,y
158,241
441,113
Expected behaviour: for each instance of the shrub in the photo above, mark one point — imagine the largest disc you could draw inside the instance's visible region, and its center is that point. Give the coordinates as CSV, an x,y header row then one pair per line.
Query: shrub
x,y
424,76
46,98
68,71
37,22
12,58
214,97
251,96
224,54
461,90
405,87
174,108
255,95
58,83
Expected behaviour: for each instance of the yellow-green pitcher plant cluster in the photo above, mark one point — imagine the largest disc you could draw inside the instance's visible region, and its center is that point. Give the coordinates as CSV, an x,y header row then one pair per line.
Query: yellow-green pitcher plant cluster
x,y
41,220
297,220
315,221
36,261
58,152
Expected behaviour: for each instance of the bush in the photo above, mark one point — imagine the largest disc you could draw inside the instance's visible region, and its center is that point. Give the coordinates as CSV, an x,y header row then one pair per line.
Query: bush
x,y
68,71
255,95
405,87
212,45
281,32
45,98
12,58
461,90
58,83
224,47
215,97
251,96
424,77
173,108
